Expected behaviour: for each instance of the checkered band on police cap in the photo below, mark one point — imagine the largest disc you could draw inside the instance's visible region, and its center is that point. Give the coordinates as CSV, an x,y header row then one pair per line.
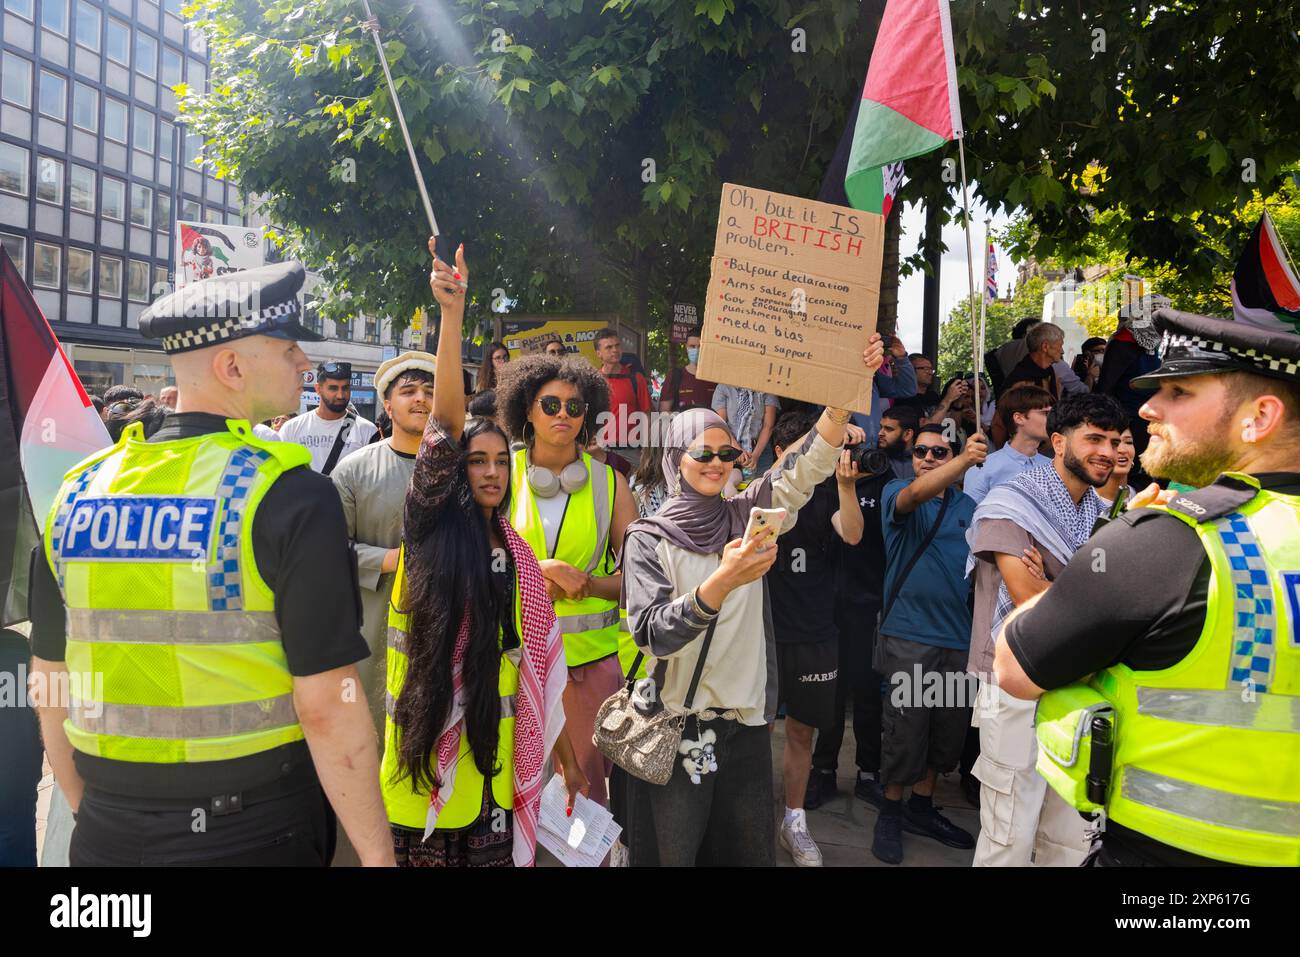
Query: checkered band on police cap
x,y
1278,365
234,328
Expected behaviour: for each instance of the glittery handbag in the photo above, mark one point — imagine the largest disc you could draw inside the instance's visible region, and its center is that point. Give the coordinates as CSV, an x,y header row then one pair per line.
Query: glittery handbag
x,y
634,729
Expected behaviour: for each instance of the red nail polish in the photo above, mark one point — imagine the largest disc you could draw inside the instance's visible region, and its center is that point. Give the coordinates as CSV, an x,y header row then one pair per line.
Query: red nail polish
x,y
568,812
456,274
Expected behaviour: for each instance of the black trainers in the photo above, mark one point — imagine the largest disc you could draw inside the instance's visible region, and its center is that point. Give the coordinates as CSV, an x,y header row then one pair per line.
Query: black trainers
x,y
868,789
930,823
887,843
821,788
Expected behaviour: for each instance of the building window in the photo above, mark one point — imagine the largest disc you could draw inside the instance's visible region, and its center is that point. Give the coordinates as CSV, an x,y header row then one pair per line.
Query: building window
x,y
21,7
13,169
16,81
171,67
49,180
54,96
85,108
16,247
137,281
167,142
46,265
212,215
162,212
161,284
54,16
371,329
81,191
190,211
117,41
198,76
113,201
142,130
141,205
110,277
146,55
80,268
115,120
87,26
193,148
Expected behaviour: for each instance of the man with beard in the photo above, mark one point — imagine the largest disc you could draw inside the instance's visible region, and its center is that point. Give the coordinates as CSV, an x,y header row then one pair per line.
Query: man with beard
x,y
372,484
330,431
1184,614
1024,532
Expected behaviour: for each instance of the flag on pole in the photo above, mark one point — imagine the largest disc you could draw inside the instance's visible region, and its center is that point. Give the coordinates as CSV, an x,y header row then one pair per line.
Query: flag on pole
x,y
48,425
909,101
1265,290
991,274
877,187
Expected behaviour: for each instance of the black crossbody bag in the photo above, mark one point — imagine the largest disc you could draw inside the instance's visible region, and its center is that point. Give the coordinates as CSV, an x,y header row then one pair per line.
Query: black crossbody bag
x,y
907,570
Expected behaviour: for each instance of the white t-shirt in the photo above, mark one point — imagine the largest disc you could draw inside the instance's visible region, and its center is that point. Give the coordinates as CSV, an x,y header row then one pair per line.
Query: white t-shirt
x,y
318,435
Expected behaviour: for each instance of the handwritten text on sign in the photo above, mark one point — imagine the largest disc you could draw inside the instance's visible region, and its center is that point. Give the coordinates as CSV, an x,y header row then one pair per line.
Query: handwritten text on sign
x,y
792,297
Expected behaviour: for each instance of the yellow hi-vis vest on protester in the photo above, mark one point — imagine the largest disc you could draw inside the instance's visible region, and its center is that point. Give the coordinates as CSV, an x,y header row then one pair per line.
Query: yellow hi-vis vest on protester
x,y
1207,752
589,626
152,545
410,807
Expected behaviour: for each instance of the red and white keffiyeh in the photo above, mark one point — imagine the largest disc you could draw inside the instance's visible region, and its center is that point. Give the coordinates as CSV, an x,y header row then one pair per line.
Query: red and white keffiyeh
x,y
539,707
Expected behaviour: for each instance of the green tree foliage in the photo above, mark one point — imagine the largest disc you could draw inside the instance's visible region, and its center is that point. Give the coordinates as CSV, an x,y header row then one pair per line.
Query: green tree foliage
x,y
955,347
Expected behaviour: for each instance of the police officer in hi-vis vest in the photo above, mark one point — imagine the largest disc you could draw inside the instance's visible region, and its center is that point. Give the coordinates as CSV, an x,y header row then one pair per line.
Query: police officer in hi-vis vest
x,y
198,602
1170,641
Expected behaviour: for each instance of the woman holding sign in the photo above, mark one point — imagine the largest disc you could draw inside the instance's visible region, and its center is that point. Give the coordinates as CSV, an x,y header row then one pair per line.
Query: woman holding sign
x,y
694,590
474,670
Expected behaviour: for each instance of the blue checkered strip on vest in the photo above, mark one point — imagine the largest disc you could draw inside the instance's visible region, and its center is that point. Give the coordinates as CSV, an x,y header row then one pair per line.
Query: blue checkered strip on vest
x,y
1254,623
225,579
79,485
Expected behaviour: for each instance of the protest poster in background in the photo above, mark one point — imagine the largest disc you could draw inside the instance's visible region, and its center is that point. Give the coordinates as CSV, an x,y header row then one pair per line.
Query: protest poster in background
x,y
525,335
686,322
204,250
792,297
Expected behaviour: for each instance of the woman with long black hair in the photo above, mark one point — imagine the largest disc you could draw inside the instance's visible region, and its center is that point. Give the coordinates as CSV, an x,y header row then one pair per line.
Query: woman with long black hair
x,y
494,363
474,652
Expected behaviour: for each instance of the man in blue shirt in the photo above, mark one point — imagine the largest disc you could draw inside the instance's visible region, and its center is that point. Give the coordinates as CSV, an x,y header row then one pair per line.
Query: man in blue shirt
x,y
1023,412
924,639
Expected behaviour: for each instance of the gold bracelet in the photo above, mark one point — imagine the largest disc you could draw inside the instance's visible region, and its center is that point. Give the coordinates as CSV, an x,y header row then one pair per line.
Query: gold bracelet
x,y
838,416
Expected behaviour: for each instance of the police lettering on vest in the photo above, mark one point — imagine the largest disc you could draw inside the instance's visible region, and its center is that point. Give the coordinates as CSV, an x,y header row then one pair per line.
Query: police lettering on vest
x,y
145,528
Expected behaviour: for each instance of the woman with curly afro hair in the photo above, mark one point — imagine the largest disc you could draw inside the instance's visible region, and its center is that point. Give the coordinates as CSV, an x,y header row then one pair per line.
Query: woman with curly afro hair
x,y
474,674
573,511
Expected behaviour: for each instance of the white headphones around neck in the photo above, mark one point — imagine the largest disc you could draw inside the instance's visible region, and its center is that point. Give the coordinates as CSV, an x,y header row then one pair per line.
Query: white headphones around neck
x,y
546,484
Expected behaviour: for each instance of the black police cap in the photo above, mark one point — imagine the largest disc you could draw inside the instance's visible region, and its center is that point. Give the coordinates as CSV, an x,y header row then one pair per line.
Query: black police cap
x,y
1200,345
250,302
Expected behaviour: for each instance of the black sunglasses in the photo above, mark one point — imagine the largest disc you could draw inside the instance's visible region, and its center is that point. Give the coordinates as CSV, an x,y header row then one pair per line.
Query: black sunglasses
x,y
940,452
551,406
124,407
728,454
336,368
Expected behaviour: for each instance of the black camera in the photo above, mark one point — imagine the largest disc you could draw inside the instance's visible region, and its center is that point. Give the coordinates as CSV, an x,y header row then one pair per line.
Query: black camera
x,y
868,460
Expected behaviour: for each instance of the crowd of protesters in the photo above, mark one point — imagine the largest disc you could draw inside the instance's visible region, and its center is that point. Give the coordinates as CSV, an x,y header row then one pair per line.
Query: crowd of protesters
x,y
921,525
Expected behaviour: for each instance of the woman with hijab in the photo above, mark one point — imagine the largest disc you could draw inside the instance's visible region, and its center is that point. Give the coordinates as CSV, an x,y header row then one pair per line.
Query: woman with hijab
x,y
474,656
690,582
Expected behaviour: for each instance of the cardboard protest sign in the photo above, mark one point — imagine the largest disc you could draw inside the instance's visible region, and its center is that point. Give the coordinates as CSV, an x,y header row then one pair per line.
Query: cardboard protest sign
x,y
686,322
792,297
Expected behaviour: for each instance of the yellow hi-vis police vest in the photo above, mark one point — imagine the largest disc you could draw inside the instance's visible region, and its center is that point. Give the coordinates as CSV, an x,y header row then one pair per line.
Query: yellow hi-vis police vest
x,y
1207,752
589,626
152,546
405,804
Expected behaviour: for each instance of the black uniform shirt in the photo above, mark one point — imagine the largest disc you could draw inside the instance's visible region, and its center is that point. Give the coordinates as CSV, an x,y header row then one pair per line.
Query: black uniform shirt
x,y
300,544
801,584
1135,594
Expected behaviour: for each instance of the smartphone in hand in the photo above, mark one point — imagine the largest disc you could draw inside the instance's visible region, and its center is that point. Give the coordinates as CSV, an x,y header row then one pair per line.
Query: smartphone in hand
x,y
764,521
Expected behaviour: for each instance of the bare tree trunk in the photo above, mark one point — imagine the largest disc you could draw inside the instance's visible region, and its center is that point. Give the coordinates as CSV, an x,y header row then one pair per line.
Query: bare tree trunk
x,y
887,315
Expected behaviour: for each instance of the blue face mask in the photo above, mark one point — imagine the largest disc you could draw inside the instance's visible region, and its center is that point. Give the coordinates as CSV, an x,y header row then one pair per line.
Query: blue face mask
x,y
692,355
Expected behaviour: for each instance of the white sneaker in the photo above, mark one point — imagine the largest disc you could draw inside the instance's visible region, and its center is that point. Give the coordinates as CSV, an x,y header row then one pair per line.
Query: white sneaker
x,y
796,839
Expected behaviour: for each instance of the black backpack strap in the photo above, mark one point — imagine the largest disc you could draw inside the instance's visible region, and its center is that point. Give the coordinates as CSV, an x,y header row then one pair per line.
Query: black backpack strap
x,y
916,556
340,440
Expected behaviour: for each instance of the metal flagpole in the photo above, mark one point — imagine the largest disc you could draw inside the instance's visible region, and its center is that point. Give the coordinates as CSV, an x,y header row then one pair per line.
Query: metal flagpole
x,y
984,298
970,276
372,24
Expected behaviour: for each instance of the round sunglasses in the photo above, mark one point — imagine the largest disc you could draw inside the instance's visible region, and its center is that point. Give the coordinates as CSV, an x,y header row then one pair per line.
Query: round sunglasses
x,y
551,406
940,452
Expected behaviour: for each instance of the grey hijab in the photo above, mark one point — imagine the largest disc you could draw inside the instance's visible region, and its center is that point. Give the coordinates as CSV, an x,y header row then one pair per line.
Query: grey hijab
x,y
700,523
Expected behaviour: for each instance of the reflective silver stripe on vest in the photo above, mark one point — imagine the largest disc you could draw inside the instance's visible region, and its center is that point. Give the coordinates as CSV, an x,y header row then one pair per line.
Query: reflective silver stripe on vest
x,y
396,639
1210,806
1222,709
507,705
134,627
600,493
192,723
574,624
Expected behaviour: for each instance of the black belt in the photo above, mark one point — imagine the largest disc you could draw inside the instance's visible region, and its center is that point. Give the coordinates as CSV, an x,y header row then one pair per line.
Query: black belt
x,y
297,777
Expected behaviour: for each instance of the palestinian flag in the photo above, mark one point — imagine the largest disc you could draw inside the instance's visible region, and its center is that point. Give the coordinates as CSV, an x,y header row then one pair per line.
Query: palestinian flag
x,y
909,102
877,187
1265,290
48,425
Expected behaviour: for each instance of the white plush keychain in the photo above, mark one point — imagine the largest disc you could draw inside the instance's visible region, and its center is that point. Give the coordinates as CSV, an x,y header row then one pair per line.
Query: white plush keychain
x,y
700,757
